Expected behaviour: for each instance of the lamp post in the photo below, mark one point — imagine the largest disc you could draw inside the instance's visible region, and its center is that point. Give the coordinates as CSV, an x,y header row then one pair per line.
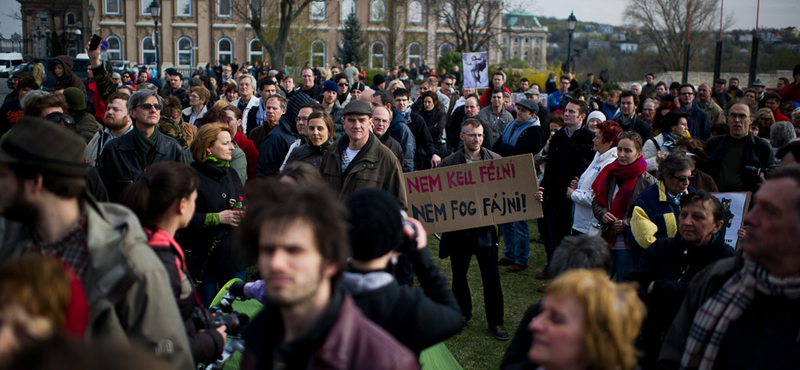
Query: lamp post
x,y
571,23
90,12
155,11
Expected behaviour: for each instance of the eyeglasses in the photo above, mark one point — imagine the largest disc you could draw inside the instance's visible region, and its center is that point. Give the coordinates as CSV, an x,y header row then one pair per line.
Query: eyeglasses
x,y
148,106
194,96
683,178
343,84
687,93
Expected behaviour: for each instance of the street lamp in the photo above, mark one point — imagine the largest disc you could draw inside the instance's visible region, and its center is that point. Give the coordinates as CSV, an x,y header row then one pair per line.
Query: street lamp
x,y
571,23
90,12
155,11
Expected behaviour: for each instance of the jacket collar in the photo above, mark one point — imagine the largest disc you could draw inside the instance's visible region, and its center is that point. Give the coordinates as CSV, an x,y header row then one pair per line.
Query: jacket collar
x,y
662,191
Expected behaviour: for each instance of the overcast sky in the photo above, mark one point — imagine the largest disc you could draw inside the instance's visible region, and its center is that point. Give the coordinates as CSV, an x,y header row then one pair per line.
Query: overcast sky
x,y
774,13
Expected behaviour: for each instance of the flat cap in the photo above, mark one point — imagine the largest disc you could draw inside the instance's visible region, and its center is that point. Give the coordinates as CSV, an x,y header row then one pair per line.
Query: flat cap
x,y
357,107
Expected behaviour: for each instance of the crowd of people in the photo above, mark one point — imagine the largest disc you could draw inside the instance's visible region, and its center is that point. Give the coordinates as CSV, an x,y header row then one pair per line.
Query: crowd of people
x,y
127,205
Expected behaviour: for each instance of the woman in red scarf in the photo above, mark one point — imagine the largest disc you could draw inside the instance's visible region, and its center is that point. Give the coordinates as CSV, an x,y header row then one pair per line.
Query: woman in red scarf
x,y
616,189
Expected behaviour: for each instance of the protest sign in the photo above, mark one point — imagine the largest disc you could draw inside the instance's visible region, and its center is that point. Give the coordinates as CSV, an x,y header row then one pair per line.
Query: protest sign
x,y
734,207
474,194
476,70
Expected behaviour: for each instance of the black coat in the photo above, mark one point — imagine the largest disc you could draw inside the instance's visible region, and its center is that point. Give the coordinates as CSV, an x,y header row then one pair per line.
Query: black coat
x,y
567,159
308,153
757,159
530,141
639,125
217,187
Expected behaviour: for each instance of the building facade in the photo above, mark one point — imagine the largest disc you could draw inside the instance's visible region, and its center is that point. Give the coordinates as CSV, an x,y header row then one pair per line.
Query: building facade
x,y
524,38
192,33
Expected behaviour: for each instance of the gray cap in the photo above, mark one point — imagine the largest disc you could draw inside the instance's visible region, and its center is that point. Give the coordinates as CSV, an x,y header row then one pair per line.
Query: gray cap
x,y
529,105
357,107
759,83
532,91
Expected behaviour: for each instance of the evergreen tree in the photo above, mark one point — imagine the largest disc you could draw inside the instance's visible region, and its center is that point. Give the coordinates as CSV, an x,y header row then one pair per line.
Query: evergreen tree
x,y
350,51
56,48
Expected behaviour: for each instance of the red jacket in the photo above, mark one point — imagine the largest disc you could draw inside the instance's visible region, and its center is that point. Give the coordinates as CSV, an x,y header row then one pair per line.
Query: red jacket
x,y
790,92
250,153
97,100
484,100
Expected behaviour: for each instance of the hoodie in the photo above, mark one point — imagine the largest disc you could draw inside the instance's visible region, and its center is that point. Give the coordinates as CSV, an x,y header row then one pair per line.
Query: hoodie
x,y
68,79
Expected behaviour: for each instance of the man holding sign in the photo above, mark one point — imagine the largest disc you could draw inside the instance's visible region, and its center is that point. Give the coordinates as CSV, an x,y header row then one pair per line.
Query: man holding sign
x,y
480,241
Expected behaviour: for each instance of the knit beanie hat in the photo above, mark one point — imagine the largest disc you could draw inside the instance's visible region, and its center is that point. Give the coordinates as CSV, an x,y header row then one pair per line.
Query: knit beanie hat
x,y
76,99
596,114
330,86
376,225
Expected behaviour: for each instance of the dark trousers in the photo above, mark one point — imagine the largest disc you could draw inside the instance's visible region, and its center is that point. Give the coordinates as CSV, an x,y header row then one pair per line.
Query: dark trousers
x,y
553,227
492,292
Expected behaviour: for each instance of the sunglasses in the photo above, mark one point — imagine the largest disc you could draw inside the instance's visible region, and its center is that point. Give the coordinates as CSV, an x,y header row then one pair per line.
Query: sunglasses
x,y
148,106
60,118
344,84
683,178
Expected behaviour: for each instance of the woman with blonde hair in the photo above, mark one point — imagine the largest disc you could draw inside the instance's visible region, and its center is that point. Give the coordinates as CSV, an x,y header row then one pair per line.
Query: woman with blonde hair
x,y
587,322
208,238
766,119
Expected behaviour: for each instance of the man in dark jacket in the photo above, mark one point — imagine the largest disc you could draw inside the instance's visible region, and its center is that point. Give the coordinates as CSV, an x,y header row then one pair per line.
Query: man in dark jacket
x,y
699,125
747,304
418,317
668,265
274,148
398,128
461,245
737,160
470,109
309,87
381,119
124,159
299,238
720,95
570,152
425,154
175,87
627,119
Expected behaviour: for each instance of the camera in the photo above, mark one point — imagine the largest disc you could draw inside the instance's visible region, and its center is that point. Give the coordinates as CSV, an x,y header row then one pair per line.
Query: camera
x,y
221,314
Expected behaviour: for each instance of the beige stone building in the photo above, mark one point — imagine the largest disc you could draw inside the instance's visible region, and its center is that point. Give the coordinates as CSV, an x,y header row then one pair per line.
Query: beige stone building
x,y
196,32
525,38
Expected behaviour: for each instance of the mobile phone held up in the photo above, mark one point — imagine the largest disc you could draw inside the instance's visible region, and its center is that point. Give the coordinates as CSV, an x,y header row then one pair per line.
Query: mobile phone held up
x,y
95,42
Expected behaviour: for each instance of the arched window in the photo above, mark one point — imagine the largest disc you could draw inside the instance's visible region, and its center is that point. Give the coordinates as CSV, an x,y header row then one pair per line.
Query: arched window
x,y
69,19
377,55
114,48
183,8
225,50
224,8
378,11
72,47
415,12
414,53
445,48
148,51
185,52
478,15
446,13
318,10
318,53
255,51
348,7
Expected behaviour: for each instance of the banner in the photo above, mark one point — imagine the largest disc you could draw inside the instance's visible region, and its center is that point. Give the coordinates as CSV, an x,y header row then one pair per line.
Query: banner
x,y
476,70
474,194
734,207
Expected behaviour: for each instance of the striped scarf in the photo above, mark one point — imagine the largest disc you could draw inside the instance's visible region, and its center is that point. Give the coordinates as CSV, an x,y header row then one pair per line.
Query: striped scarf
x,y
726,306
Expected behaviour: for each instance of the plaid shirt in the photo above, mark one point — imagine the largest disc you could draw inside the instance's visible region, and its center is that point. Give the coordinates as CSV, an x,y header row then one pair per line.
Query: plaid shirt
x,y
72,249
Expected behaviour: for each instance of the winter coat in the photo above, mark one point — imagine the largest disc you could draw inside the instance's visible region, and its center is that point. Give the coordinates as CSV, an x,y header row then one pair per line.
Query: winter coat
x,y
68,79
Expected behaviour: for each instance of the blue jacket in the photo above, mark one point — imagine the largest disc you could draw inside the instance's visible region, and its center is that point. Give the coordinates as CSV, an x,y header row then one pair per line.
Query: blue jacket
x,y
699,125
400,132
274,148
654,217
554,101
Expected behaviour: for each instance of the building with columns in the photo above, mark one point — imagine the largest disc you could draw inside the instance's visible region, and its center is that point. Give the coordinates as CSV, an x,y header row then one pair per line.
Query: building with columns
x,y
196,32
524,38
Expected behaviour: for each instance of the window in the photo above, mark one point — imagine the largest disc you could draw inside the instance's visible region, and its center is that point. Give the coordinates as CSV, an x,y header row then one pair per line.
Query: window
x,y
446,13
112,6
526,54
445,48
148,51
69,19
185,52
224,8
318,10
183,8
414,53
378,11
415,12
318,54
527,41
72,47
516,40
377,57
225,50
516,53
478,15
114,48
145,4
256,51
537,41
348,7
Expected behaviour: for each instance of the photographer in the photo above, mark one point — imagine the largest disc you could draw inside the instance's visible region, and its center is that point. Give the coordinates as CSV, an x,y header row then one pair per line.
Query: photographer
x,y
163,199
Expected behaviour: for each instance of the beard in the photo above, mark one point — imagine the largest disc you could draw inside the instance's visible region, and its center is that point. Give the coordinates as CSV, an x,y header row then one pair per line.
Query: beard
x,y
20,210
114,124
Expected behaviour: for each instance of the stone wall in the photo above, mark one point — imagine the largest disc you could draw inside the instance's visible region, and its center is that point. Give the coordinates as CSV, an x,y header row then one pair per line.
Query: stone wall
x,y
697,78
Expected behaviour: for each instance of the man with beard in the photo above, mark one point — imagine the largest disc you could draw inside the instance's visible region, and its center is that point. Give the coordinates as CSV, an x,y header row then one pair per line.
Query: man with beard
x,y
330,91
47,210
124,159
117,122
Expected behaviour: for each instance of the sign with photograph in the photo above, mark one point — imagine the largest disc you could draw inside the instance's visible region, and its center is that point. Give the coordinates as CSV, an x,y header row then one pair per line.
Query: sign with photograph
x,y
734,207
476,70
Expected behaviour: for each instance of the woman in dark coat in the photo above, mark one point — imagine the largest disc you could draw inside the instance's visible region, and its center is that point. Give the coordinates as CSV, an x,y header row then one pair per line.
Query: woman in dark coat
x,y
211,258
319,138
435,118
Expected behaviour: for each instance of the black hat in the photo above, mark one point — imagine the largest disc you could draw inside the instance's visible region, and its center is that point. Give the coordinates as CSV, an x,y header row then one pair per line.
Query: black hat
x,y
376,225
378,79
675,85
358,86
357,107
796,70
46,146
172,72
529,105
721,81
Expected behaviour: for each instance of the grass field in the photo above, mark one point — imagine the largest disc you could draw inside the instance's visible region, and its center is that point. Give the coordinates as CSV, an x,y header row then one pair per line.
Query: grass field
x,y
475,347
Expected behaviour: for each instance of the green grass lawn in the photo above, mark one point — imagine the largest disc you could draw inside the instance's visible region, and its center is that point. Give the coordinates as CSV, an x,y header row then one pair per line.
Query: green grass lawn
x,y
476,347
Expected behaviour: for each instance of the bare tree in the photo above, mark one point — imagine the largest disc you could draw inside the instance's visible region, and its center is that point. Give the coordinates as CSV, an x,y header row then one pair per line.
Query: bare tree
x,y
663,23
272,22
473,23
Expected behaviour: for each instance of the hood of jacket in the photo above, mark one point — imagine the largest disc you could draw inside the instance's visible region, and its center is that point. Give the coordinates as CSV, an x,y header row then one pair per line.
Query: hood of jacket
x,y
66,61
